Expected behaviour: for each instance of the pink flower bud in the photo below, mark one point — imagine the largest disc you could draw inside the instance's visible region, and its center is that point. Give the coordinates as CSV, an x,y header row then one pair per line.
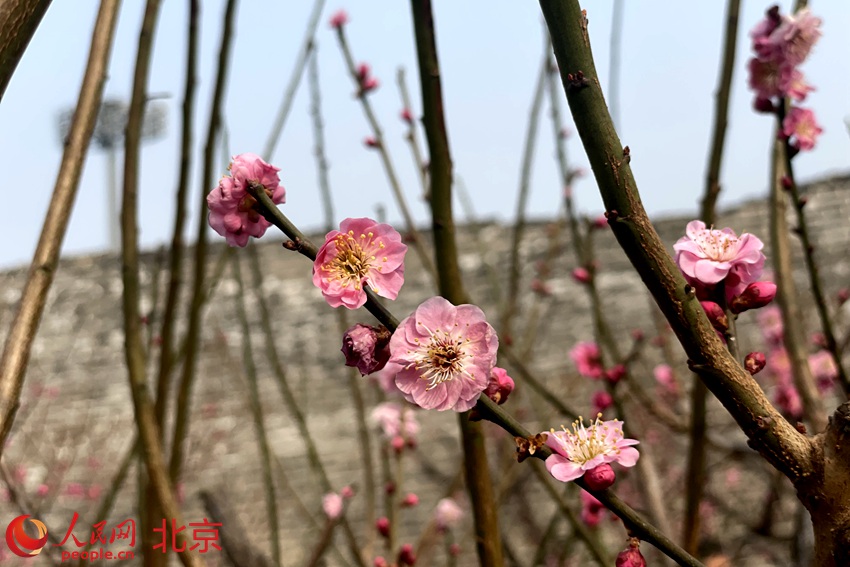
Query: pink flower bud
x,y
600,222
347,492
339,19
631,556
755,295
600,478
454,549
332,505
410,500
369,84
581,275
389,487
380,562
366,348
754,362
716,315
397,444
843,295
615,374
500,385
407,116
541,288
363,71
406,555
43,490
602,400
371,142
764,105
383,526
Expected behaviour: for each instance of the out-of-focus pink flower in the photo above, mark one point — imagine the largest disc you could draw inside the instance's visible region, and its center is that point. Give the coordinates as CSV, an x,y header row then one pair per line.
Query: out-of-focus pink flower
x,y
616,373
447,514
380,562
666,379
410,500
332,505
389,415
406,556
823,370
75,489
42,490
406,115
339,19
93,492
754,296
500,385
770,324
796,36
800,124
365,79
540,287
366,348
446,354
588,360
347,492
232,209
371,142
842,296
585,448
383,526
788,400
591,509
600,477
361,253
709,256
754,362
581,275
455,549
631,556
600,222
601,400
385,379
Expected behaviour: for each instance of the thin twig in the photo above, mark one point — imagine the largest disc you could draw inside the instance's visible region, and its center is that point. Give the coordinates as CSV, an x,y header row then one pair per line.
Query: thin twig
x,y
16,351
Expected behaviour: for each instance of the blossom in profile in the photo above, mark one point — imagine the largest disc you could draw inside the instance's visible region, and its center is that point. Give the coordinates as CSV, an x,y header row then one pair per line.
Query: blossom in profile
x,y
365,79
754,296
588,359
338,19
233,212
446,354
500,385
708,256
631,556
586,447
366,348
800,125
361,253
447,514
332,505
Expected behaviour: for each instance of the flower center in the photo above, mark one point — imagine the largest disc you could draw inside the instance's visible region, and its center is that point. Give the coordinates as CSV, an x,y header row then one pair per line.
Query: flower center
x,y
442,359
586,443
353,260
717,245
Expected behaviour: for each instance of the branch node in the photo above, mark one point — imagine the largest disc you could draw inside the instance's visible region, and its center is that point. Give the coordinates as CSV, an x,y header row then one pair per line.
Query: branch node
x,y
577,81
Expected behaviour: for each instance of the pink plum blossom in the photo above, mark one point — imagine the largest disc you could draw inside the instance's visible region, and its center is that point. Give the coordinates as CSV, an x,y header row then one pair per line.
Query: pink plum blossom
x,y
332,505
447,514
754,296
770,324
796,36
708,256
800,124
585,448
823,370
361,253
592,509
366,348
395,421
754,362
232,208
602,400
600,477
588,359
500,385
631,556
666,379
385,378
446,354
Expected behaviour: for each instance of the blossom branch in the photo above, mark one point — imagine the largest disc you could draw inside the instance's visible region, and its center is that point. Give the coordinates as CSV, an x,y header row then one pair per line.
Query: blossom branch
x,y
257,413
133,347
769,433
19,340
193,332
395,185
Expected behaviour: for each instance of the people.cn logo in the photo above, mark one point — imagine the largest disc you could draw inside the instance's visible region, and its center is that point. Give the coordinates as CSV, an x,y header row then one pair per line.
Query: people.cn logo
x,y
20,543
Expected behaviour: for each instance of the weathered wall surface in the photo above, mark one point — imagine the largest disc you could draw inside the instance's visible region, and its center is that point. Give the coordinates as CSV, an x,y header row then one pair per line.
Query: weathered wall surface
x,y
75,424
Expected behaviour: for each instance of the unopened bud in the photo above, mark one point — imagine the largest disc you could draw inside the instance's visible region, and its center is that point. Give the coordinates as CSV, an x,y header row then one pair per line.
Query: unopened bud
x,y
615,374
366,348
500,385
406,555
754,362
383,526
410,500
716,315
764,105
631,556
757,294
581,275
371,142
843,295
602,400
407,116
380,562
397,443
600,478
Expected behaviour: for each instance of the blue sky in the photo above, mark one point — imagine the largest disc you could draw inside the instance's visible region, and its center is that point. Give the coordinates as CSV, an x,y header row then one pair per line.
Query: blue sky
x,y
490,54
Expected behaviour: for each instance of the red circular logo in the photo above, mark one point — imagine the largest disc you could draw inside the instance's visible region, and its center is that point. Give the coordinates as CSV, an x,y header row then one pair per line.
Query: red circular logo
x,y
20,543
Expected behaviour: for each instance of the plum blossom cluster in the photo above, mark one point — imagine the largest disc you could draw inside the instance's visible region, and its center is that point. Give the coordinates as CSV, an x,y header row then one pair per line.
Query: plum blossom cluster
x,y
587,357
781,43
723,269
233,210
588,451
